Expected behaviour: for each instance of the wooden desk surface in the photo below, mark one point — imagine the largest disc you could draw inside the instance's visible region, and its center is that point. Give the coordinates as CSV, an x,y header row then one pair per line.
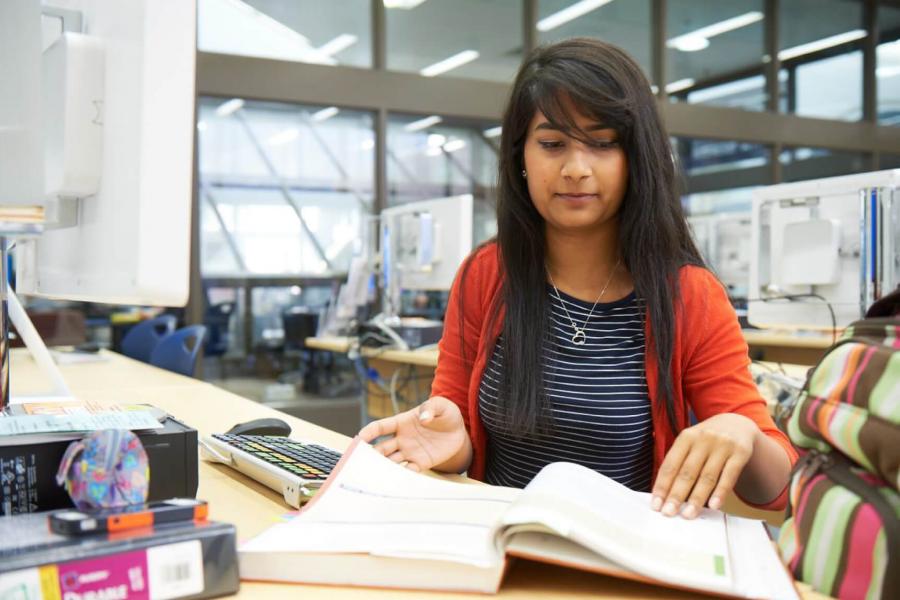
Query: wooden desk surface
x,y
763,337
252,507
424,358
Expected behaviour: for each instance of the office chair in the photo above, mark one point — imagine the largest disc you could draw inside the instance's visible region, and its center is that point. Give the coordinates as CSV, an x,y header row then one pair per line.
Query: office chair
x,y
179,351
217,319
299,323
142,339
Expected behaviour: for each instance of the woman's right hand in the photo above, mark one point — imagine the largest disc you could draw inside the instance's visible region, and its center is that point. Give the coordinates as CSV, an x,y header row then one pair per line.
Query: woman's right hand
x,y
430,436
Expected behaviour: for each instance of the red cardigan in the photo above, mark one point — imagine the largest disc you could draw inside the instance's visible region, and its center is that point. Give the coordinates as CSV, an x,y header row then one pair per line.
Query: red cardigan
x,y
709,363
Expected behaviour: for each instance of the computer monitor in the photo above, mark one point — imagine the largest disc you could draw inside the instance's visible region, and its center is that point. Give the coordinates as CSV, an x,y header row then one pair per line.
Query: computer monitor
x,y
823,250
97,129
117,119
422,246
724,241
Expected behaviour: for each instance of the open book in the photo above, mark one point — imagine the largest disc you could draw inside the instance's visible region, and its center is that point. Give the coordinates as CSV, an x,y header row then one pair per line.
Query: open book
x,y
376,523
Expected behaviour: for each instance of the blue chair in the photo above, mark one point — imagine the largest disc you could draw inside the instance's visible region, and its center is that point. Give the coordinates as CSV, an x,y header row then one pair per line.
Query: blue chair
x,y
179,351
141,339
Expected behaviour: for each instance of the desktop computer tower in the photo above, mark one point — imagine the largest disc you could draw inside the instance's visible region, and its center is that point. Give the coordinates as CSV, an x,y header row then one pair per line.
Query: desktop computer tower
x,y
28,471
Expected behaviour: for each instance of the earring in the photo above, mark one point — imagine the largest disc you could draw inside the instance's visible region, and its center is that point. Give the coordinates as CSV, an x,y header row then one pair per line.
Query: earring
x,y
524,174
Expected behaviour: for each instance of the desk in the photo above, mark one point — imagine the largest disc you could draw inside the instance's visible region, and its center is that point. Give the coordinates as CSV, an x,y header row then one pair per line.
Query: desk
x,y
252,507
787,348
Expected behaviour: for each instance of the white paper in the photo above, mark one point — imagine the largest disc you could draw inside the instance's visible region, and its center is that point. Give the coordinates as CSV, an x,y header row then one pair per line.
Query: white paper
x,y
619,524
376,506
43,424
758,571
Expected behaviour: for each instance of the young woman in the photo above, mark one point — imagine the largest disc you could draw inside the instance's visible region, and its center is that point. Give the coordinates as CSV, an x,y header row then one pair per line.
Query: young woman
x,y
590,327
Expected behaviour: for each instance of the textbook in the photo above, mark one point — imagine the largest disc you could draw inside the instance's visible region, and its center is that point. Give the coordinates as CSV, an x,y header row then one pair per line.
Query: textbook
x,y
376,523
188,559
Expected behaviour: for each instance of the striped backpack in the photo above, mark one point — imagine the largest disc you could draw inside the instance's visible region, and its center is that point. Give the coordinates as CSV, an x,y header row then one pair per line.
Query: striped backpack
x,y
842,533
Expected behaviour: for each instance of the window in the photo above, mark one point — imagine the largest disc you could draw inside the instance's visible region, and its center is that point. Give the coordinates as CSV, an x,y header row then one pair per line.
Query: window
x,y
474,39
432,157
711,165
887,70
625,24
714,52
799,164
337,32
822,57
284,189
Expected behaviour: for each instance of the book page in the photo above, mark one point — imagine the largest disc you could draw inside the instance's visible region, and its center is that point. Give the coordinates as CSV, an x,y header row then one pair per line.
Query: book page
x,y
758,570
373,505
588,508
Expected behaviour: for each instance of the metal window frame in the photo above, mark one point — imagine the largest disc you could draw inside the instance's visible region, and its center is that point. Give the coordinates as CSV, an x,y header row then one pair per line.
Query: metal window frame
x,y
382,91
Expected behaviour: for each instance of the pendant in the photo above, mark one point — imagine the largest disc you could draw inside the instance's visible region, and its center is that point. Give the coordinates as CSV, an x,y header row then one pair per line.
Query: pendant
x,y
579,338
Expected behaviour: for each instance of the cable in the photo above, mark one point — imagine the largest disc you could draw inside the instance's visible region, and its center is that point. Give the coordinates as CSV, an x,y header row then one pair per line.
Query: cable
x,y
794,297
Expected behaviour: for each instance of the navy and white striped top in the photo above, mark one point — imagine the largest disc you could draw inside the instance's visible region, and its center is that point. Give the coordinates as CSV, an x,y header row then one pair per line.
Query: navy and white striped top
x,y
598,399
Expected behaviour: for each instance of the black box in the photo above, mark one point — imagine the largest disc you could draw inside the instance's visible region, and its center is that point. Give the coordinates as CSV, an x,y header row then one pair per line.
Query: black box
x,y
28,471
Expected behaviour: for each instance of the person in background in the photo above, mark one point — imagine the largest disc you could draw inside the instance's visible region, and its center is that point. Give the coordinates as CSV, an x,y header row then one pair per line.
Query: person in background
x,y
590,330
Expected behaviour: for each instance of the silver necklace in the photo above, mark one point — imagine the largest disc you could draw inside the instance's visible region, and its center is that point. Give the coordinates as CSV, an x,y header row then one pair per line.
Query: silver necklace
x,y
579,337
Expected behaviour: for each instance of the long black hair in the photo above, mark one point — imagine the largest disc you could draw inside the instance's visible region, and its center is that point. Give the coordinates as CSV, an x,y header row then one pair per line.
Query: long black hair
x,y
605,84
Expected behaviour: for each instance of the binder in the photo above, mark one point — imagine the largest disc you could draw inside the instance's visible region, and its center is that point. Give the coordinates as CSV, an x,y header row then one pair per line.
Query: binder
x,y
189,559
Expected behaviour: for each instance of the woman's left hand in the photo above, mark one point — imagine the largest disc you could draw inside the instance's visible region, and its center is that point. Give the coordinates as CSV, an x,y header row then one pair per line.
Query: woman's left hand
x,y
704,464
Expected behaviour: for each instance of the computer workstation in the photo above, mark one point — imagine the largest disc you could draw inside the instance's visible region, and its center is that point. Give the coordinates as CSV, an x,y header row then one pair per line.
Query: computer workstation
x,y
822,252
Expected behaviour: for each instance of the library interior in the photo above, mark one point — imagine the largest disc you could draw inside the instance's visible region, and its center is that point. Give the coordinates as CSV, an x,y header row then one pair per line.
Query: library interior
x,y
419,298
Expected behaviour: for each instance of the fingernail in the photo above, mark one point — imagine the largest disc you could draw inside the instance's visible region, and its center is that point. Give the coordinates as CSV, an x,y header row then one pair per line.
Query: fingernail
x,y
424,415
715,502
656,503
689,512
670,509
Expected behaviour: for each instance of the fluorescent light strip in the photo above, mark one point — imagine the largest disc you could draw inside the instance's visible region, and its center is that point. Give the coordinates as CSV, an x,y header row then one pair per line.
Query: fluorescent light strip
x,y
570,13
283,137
325,113
436,140
338,44
422,123
493,132
694,40
404,4
681,84
757,83
817,45
453,62
884,72
454,145
226,108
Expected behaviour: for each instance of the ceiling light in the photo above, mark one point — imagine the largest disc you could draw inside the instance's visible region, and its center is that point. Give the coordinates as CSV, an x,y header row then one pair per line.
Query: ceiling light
x,y
569,13
493,132
226,108
885,72
433,151
691,43
404,4
436,140
422,123
681,84
699,38
341,42
367,144
454,145
453,62
757,83
325,113
828,42
283,137
201,125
